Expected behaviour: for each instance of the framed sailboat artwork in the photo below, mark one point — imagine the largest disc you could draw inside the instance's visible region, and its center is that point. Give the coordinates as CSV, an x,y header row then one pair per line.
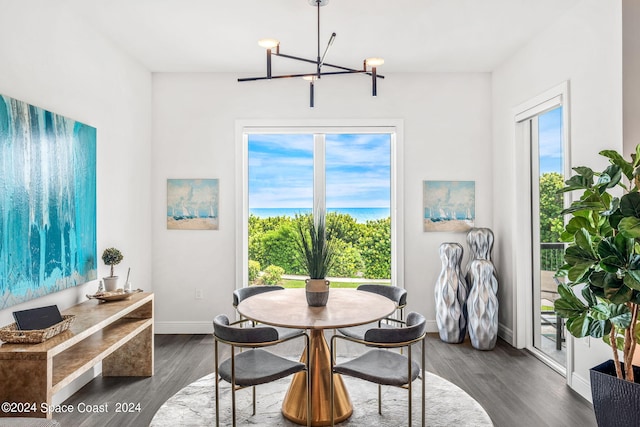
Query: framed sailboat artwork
x,y
448,205
192,204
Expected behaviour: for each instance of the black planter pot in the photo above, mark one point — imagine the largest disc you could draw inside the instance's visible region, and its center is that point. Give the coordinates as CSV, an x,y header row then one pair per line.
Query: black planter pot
x,y
616,402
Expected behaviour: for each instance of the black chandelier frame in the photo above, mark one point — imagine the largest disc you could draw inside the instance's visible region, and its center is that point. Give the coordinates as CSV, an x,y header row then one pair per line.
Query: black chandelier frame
x,y
319,62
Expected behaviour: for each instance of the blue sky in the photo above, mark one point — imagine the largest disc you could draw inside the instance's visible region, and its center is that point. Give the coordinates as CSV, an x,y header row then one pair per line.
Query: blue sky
x,y
550,141
281,170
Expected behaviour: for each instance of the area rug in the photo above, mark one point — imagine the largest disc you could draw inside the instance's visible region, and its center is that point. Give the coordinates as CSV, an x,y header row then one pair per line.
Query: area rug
x,y
446,405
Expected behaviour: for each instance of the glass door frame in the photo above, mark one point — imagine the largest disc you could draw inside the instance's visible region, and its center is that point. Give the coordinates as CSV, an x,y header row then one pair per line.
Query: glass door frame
x,y
526,158
536,304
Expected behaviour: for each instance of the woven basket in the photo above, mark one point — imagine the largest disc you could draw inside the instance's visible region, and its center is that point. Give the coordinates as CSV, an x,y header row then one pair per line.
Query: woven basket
x,y
11,333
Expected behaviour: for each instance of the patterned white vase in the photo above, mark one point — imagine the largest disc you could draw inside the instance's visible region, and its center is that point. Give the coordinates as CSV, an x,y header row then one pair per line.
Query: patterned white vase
x,y
482,306
451,295
480,241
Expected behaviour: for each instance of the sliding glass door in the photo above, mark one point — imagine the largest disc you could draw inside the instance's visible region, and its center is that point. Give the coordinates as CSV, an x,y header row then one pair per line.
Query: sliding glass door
x,y
547,166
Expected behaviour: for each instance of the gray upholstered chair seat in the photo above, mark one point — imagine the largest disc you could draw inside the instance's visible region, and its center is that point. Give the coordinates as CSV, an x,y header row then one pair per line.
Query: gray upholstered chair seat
x,y
381,367
255,367
358,332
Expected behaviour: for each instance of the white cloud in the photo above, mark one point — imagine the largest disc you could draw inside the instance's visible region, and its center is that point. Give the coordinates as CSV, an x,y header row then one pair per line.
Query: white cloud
x,y
281,170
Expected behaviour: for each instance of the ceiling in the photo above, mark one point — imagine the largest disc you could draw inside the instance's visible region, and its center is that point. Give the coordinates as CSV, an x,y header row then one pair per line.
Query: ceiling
x,y
411,35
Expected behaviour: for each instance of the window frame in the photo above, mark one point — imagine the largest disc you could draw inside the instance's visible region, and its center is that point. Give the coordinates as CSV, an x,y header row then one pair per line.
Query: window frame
x,y
393,127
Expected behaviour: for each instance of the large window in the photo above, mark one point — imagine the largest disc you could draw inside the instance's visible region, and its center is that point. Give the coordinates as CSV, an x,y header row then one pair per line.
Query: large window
x,y
347,174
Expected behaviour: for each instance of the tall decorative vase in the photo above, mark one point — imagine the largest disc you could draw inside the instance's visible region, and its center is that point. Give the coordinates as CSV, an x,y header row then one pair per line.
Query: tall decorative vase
x,y
482,305
451,295
480,241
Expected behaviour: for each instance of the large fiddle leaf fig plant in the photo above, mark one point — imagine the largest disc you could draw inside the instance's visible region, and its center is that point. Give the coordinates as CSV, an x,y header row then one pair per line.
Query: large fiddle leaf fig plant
x,y
602,260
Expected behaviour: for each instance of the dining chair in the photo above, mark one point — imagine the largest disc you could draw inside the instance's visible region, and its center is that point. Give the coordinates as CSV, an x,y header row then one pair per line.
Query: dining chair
x,y
253,366
248,291
384,367
395,294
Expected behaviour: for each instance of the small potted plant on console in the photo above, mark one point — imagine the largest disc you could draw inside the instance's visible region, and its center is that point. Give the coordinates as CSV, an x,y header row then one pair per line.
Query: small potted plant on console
x,y
111,257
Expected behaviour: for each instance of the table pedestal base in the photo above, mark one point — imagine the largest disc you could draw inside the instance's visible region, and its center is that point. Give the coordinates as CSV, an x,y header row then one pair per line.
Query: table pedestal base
x,y
294,407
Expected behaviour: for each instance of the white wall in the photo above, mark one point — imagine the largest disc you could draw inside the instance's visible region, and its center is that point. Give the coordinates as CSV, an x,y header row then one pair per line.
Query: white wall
x,y
631,74
447,136
51,59
584,47
456,127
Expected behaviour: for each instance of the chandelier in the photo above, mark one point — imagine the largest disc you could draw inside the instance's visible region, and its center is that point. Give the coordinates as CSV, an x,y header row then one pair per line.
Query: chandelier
x,y
273,48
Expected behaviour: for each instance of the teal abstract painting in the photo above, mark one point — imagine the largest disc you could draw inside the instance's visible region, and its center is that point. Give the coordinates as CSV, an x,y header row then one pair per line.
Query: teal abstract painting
x,y
47,202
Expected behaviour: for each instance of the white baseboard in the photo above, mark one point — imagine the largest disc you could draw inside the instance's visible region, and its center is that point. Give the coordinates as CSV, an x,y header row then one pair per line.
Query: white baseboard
x,y
183,327
207,328
505,333
432,326
581,385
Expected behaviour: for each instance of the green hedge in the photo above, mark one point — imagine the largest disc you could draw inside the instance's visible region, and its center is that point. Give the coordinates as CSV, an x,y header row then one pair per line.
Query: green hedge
x,y
364,249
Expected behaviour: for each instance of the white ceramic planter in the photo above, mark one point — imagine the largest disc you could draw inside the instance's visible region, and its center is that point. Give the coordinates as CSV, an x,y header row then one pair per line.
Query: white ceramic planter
x,y
110,283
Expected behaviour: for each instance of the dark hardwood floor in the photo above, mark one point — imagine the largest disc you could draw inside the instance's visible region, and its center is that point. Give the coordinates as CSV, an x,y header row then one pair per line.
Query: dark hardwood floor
x,y
515,388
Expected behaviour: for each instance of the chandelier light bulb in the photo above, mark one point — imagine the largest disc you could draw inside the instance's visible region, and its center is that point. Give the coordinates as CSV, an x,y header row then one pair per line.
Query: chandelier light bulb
x,y
268,43
310,78
374,62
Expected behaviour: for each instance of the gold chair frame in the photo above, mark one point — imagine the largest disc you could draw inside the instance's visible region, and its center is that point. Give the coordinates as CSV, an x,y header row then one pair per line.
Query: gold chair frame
x,y
400,345
234,387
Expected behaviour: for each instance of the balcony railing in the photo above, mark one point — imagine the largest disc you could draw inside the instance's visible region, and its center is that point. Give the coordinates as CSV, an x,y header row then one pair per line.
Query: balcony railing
x,y
551,256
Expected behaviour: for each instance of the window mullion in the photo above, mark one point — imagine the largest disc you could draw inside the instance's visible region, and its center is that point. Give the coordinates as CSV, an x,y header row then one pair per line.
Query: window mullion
x,y
319,175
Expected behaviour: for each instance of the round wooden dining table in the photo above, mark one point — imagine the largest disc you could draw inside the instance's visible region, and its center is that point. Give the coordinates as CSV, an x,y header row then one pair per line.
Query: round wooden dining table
x,y
289,308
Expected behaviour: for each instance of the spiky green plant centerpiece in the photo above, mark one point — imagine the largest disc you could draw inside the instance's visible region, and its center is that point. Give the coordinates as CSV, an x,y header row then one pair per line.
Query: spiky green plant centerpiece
x,y
316,254
602,259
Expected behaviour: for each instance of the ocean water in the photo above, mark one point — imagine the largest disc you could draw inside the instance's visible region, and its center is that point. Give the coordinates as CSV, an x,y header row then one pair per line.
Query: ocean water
x,y
361,215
